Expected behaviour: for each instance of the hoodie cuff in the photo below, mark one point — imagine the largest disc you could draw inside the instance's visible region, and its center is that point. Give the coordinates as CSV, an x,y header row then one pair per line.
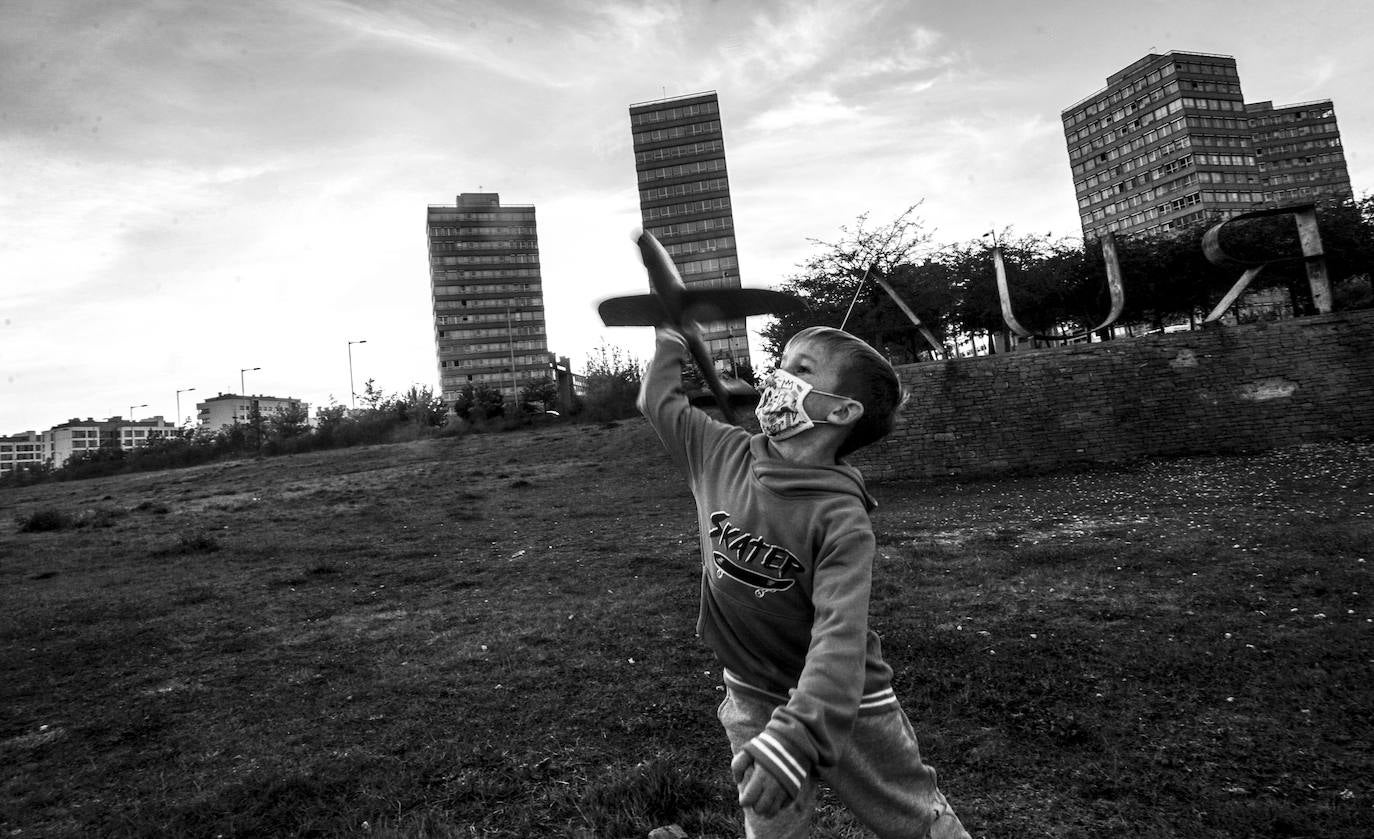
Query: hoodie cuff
x,y
773,754
671,336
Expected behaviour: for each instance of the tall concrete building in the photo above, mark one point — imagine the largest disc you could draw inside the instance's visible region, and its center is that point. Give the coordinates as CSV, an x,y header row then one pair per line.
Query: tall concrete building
x,y
1298,151
1170,141
684,201
489,327
1164,144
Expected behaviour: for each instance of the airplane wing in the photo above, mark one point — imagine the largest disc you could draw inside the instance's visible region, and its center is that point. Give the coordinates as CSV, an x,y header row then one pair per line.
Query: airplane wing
x,y
635,310
706,305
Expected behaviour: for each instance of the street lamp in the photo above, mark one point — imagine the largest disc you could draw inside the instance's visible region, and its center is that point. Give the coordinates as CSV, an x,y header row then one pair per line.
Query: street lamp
x,y
131,410
243,391
179,393
352,394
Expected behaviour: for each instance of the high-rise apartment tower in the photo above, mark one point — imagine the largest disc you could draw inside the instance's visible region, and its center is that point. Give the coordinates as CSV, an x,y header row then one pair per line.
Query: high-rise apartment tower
x,y
1170,141
684,201
488,295
1298,152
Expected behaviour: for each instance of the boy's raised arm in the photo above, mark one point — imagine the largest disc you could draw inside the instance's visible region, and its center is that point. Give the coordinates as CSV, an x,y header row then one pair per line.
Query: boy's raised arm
x,y
662,399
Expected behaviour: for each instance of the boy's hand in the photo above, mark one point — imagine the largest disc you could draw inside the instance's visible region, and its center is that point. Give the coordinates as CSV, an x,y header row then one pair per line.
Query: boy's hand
x,y
672,333
758,789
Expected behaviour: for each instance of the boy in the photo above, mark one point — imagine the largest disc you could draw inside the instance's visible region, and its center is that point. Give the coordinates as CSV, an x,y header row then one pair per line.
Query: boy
x,y
787,550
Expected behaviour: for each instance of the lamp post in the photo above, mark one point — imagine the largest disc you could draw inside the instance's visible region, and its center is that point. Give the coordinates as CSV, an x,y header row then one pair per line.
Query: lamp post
x,y
179,393
131,410
352,394
510,345
730,332
243,391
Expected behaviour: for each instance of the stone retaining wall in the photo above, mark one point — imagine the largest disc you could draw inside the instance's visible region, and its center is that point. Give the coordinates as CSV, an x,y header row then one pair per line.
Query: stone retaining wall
x,y
1224,389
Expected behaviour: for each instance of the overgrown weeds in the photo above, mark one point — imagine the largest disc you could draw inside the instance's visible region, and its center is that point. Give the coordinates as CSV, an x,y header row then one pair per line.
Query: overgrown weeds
x,y
50,519
1177,649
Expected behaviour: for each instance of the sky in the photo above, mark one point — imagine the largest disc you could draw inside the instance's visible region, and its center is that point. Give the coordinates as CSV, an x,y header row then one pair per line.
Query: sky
x,y
188,189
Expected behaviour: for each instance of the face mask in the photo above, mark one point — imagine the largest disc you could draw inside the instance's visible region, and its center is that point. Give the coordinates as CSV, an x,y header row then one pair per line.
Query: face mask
x,y
781,411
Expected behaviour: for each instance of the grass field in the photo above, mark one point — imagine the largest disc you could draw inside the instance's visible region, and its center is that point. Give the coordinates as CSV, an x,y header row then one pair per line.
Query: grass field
x,y
492,636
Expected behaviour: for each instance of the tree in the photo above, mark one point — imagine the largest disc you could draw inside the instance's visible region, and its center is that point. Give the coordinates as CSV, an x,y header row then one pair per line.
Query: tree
x,y
289,421
421,406
1168,278
541,392
181,447
329,422
255,428
613,378
743,370
831,281
968,268
479,403
372,398
925,289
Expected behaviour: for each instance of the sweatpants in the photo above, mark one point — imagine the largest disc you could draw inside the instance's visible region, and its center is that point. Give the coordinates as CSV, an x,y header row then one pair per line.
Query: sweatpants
x,y
880,778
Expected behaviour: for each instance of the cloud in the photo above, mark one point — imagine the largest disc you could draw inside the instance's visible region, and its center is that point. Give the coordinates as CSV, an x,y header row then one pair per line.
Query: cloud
x,y
549,46
268,163
808,109
1320,72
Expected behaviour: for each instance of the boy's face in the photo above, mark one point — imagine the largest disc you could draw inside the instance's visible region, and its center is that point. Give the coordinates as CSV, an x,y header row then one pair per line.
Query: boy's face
x,y
810,361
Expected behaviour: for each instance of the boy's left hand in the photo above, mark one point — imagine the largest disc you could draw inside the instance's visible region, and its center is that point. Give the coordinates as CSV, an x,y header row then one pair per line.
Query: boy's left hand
x,y
672,333
758,789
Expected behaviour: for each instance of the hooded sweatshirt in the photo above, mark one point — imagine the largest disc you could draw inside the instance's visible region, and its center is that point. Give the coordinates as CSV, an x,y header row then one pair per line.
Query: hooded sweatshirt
x,y
787,559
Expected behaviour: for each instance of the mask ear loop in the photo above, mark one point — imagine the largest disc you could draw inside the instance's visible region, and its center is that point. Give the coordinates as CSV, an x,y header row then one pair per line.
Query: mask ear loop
x,y
846,399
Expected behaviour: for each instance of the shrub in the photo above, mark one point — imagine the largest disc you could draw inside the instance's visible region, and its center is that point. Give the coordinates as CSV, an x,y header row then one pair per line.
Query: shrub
x,y
613,378
1353,293
26,474
100,517
45,520
191,543
476,404
198,543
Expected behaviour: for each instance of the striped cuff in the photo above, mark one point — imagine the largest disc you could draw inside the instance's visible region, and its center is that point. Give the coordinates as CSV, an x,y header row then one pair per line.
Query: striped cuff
x,y
879,700
736,683
772,753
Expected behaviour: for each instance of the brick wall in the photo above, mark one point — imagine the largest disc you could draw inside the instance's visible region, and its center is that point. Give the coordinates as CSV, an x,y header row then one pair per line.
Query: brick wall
x,y
1232,388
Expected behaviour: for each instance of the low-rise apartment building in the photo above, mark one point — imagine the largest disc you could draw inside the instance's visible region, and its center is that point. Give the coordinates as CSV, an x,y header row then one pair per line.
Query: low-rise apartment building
x,y
234,409
22,451
77,436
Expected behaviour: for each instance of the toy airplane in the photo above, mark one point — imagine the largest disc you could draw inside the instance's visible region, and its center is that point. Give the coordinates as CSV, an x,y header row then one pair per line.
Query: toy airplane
x,y
673,304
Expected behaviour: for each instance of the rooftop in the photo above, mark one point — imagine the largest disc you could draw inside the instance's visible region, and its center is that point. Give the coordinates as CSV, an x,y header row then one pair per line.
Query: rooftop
x,y
656,102
1137,65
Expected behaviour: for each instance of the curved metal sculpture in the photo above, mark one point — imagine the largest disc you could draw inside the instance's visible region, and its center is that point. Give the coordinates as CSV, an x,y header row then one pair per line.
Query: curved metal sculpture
x,y
872,271
1114,287
1305,216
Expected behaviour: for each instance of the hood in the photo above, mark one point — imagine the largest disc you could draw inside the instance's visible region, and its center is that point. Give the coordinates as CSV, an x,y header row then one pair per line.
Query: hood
x,y
799,479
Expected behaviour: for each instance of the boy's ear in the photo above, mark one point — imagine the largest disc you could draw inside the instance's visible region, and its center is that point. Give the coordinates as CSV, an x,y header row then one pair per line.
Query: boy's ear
x,y
847,414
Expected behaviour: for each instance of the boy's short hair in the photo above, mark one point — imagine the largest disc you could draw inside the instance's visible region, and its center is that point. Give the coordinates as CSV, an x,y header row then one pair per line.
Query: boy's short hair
x,y
865,376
